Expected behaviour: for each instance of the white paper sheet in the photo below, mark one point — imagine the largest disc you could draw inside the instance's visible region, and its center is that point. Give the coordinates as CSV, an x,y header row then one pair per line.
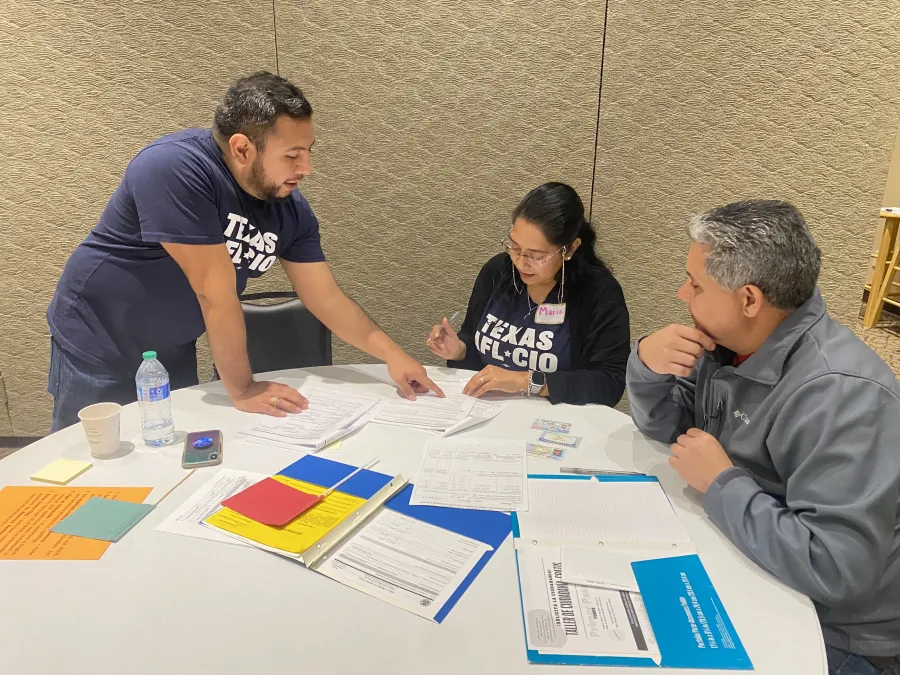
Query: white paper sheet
x,y
187,519
623,514
567,619
406,562
473,474
604,568
330,416
483,411
426,412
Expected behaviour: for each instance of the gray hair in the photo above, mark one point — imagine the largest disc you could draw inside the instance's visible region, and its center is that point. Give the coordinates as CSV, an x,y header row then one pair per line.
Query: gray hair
x,y
762,243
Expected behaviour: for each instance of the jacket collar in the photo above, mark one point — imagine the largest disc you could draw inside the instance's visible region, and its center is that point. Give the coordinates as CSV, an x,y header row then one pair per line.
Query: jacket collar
x,y
767,363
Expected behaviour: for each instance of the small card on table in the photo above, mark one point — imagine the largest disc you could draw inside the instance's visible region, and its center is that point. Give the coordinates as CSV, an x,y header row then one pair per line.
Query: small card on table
x,y
103,519
550,425
545,451
560,439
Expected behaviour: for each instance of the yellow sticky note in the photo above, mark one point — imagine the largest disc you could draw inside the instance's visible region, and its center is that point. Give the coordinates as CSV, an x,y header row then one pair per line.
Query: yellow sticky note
x,y
302,532
334,446
61,471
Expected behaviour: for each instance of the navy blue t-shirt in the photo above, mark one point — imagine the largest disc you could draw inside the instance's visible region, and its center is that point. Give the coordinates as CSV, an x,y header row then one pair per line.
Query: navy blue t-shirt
x,y
121,294
509,337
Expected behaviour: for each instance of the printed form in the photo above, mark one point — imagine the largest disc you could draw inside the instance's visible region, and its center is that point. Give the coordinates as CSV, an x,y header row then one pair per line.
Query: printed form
x,y
569,619
426,412
482,411
187,519
329,416
411,564
489,475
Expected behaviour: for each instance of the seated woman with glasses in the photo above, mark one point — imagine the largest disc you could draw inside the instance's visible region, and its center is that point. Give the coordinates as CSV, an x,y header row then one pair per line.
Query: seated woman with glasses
x,y
546,317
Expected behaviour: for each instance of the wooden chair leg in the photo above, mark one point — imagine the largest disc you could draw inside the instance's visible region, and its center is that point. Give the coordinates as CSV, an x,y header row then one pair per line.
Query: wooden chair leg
x,y
881,273
886,283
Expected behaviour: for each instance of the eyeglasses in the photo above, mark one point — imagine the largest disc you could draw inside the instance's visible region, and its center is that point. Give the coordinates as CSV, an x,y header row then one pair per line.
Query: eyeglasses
x,y
532,261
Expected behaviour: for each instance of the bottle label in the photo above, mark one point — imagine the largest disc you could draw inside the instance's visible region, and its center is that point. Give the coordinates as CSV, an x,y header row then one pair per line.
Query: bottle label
x,y
153,394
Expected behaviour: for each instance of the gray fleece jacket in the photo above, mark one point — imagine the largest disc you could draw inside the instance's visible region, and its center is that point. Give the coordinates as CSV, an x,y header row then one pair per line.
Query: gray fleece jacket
x,y
811,422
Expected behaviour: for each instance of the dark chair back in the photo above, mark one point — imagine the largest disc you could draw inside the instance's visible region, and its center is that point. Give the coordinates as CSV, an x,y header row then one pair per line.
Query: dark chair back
x,y
284,335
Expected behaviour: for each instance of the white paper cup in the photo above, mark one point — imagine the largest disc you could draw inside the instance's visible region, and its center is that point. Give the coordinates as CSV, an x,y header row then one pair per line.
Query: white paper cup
x,y
101,426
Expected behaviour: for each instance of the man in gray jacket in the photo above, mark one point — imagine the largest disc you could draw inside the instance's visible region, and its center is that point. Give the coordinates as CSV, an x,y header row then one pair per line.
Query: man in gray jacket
x,y
787,422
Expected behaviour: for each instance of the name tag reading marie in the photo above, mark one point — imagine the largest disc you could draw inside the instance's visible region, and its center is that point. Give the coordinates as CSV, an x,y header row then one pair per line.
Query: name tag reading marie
x,y
550,315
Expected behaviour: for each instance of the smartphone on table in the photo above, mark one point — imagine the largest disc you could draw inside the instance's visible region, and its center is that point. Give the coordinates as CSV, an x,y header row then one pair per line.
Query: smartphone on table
x,y
202,448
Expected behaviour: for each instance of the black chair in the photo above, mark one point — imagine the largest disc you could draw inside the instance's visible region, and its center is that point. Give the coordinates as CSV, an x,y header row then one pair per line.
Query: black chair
x,y
284,335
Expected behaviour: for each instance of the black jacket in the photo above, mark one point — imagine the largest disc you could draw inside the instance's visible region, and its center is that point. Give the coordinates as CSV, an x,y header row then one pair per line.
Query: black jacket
x,y
601,338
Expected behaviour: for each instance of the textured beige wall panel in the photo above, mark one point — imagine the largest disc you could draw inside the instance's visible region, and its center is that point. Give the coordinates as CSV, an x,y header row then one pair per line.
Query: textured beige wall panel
x,y
85,85
433,119
706,102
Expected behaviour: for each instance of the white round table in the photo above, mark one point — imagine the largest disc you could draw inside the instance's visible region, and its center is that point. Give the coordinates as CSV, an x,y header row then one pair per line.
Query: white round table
x,y
163,604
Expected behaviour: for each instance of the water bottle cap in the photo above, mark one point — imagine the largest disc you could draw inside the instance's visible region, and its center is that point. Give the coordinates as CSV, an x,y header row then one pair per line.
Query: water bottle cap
x,y
149,356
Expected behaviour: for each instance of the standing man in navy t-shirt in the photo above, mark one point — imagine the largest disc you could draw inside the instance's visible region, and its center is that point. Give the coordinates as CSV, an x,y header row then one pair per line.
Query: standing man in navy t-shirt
x,y
197,213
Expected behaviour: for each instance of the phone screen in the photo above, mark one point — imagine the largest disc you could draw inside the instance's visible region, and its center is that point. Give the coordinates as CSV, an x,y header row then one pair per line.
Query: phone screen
x,y
202,447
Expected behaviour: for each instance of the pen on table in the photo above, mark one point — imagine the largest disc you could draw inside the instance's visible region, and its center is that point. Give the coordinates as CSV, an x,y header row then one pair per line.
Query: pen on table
x,y
599,472
190,473
346,478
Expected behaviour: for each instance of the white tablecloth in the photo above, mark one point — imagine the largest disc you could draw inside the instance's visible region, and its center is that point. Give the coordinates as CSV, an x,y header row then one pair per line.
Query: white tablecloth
x,y
164,604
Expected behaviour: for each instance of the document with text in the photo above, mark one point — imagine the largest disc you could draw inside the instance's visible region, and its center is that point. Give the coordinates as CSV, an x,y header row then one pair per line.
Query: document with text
x,y
187,519
406,562
426,412
473,474
330,416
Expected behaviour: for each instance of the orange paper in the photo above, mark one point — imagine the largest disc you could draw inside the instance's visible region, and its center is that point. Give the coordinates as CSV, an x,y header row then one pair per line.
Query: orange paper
x,y
28,513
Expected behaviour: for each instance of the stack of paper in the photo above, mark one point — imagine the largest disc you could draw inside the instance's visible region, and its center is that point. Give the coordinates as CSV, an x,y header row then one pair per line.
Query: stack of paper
x,y
482,411
365,534
187,519
330,416
426,413
609,576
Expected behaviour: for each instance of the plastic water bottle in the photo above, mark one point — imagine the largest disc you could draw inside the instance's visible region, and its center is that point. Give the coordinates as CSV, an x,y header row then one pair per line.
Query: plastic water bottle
x,y
152,380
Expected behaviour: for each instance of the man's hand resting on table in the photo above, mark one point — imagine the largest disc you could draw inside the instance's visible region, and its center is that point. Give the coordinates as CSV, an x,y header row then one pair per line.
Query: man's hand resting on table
x,y
698,458
270,398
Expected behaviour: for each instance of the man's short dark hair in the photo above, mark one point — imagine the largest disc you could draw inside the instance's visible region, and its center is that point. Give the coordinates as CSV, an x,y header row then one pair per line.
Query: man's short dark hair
x,y
253,103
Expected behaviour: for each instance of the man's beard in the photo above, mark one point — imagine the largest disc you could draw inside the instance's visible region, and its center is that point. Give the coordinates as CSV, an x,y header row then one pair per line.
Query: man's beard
x,y
262,187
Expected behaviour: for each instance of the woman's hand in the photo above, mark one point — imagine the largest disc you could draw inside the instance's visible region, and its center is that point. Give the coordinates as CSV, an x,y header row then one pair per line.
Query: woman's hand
x,y
444,342
494,378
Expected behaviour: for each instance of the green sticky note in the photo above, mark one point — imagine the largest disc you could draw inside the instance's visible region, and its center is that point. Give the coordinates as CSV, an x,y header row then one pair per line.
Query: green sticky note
x,y
105,519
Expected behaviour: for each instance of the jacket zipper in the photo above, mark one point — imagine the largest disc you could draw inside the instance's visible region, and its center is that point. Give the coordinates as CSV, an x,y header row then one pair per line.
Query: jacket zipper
x,y
718,415
714,431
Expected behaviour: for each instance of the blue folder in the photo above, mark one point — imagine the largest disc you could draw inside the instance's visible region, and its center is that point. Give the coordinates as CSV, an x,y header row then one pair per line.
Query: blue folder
x,y
691,626
489,527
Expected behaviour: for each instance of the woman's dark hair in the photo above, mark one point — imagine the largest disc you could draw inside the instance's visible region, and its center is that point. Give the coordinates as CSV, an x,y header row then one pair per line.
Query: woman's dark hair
x,y
557,210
